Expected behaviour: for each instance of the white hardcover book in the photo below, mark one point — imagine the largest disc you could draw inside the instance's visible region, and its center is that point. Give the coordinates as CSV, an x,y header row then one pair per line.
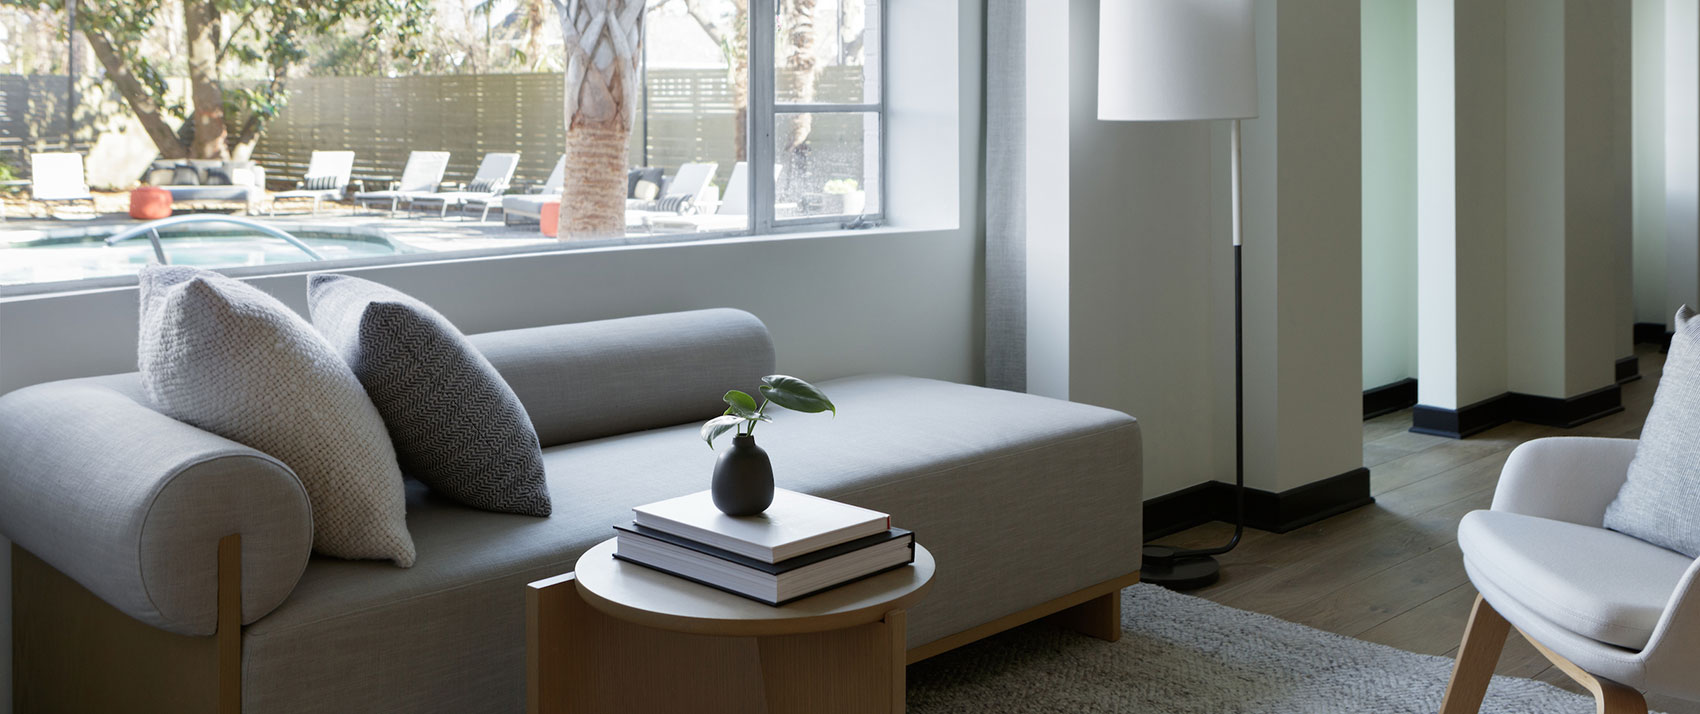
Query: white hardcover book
x,y
795,524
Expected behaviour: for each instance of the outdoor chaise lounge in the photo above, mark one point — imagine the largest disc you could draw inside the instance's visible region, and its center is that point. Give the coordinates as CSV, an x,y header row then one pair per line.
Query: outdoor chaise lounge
x,y
690,189
494,173
327,176
732,214
530,205
58,176
422,175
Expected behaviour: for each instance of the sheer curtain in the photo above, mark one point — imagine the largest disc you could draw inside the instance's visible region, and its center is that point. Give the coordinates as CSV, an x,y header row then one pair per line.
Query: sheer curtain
x,y
1006,209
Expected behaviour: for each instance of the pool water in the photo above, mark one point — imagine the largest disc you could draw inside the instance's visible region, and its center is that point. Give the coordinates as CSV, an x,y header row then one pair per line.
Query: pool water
x,y
56,259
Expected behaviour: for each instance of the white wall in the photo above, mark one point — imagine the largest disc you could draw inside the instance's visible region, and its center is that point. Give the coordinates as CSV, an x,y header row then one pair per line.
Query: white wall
x,y
1150,268
1682,154
1648,48
901,301
1389,191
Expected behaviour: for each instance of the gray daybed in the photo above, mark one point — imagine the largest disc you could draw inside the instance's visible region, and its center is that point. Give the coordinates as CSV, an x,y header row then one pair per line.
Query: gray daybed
x,y
1030,505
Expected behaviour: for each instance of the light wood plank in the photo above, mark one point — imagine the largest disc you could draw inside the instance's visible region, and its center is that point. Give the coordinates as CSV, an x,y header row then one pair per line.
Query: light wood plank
x,y
1484,639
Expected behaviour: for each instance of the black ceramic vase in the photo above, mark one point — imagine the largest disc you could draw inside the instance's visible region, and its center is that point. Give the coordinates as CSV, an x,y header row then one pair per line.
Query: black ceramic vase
x,y
743,478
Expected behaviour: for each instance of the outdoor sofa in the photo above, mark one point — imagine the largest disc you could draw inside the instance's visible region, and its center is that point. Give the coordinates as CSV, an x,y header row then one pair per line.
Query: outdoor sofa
x,y
1031,506
192,181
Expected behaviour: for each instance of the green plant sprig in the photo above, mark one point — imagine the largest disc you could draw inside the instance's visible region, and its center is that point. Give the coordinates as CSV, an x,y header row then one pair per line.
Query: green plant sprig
x,y
742,412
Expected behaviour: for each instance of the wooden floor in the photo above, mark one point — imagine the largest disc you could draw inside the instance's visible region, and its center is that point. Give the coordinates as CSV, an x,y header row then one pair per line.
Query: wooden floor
x,y
1391,572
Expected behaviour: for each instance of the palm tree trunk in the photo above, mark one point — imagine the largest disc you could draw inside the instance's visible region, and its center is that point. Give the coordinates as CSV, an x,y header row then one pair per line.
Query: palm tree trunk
x,y
603,43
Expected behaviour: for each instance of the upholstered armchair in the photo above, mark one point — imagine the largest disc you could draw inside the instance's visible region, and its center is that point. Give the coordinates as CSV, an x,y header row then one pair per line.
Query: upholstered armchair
x,y
1619,615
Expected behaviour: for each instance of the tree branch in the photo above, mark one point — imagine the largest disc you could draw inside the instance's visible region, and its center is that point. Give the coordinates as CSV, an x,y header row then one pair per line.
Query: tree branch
x,y
240,26
136,94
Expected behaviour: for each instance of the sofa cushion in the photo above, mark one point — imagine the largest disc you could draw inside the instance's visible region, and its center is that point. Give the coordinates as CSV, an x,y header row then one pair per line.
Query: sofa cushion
x,y
1660,501
594,379
224,356
1602,585
1022,499
455,424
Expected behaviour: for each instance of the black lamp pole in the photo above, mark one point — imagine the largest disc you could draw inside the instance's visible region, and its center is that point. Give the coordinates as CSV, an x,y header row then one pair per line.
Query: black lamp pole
x,y
1179,569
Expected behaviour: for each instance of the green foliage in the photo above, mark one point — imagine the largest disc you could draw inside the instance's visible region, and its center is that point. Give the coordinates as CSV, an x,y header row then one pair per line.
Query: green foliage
x,y
264,38
840,186
8,172
742,412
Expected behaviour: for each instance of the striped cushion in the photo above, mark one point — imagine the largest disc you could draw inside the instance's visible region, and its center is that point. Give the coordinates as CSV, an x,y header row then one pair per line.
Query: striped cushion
x,y
323,183
482,186
456,424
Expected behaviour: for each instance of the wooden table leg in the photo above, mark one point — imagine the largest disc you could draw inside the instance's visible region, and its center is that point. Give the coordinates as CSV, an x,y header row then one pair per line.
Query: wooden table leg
x,y
859,670
580,660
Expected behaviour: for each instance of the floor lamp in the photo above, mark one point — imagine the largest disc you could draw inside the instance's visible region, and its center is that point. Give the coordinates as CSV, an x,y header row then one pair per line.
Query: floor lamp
x,y
1186,60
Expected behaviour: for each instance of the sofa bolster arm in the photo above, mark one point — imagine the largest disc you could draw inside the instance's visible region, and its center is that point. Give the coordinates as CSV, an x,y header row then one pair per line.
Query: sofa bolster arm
x,y
1564,478
131,504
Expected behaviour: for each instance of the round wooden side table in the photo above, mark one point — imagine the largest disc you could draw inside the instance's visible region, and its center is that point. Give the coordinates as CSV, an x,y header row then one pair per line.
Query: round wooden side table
x,y
617,637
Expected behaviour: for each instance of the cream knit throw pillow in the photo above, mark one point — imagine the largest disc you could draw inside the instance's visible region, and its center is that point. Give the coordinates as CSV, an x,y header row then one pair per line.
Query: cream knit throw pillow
x,y
228,358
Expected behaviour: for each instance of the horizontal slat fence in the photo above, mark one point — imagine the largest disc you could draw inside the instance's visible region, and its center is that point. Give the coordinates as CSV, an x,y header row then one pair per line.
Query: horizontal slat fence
x,y
32,117
690,118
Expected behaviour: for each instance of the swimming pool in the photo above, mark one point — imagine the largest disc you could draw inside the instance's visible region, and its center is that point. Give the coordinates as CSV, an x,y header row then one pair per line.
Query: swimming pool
x,y
87,255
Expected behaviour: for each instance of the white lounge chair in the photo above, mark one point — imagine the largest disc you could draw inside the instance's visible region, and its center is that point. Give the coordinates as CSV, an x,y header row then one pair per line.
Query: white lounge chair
x,y
422,175
732,214
692,181
58,176
327,176
530,205
690,189
494,173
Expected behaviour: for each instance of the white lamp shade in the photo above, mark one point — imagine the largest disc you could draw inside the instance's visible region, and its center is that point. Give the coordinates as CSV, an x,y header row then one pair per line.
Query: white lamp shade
x,y
1176,60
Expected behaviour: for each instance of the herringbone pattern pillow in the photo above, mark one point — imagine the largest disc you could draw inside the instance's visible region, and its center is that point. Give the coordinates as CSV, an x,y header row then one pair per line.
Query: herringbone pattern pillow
x,y
456,424
224,356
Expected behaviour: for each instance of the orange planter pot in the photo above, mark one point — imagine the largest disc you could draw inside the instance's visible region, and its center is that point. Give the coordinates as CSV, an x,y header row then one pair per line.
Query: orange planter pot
x,y
550,221
150,203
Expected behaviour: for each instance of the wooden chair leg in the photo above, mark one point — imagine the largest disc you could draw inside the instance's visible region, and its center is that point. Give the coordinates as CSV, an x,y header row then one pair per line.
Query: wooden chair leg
x,y
1609,697
1484,639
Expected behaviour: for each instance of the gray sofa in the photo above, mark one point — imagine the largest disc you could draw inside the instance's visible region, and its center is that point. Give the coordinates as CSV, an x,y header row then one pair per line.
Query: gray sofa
x,y
1027,502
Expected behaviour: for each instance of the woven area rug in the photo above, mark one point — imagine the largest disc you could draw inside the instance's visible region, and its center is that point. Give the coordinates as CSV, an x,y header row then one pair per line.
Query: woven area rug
x,y
1184,655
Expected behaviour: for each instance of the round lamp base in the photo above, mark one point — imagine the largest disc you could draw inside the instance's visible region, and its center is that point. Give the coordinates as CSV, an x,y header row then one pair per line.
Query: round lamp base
x,y
1163,569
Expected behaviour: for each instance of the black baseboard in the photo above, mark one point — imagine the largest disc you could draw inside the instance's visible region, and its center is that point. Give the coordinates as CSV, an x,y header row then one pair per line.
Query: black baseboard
x,y
1464,421
1511,406
1628,369
1264,510
1389,398
1653,333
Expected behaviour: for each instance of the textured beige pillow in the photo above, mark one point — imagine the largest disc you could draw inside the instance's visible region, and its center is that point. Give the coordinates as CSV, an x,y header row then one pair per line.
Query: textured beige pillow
x,y
228,358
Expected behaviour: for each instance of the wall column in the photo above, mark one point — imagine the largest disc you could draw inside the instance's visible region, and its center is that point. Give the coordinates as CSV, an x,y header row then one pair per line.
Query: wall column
x,y
1303,251
1682,155
1525,227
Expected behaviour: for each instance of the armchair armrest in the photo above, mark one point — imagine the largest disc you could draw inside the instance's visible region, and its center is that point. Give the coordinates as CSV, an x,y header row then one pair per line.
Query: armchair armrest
x,y
1567,478
1671,657
131,504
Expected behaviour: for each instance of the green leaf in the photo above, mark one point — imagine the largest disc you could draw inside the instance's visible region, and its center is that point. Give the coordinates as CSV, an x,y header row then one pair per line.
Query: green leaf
x,y
719,425
742,404
795,394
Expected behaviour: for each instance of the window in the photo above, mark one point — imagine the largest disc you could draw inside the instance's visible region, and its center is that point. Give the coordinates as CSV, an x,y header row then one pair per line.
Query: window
x,y
752,116
823,124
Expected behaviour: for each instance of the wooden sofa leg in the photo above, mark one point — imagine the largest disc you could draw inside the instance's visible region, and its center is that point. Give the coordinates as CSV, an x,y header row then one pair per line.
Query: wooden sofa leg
x,y
1100,617
73,652
1484,639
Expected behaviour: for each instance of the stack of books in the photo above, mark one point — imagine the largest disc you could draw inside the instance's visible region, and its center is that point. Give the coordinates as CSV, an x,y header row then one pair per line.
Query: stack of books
x,y
800,546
